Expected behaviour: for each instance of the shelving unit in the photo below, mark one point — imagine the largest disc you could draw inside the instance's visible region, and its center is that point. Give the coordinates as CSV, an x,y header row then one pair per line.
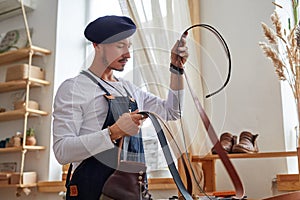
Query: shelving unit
x,y
26,84
26,112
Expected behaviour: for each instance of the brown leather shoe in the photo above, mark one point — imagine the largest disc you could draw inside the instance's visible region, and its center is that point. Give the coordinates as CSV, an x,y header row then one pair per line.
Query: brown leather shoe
x,y
227,141
247,143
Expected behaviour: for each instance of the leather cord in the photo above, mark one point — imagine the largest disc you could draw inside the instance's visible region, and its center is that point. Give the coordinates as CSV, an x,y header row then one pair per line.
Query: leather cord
x,y
168,155
240,192
221,152
225,47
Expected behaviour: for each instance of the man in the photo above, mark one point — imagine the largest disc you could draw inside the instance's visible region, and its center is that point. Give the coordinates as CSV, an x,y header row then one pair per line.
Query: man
x,y
94,110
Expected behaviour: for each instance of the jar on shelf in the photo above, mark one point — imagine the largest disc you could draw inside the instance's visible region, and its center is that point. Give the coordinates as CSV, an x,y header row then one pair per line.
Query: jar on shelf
x,y
17,139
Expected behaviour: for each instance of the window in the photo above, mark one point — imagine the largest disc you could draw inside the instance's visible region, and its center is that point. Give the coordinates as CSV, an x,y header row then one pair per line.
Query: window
x,y
288,103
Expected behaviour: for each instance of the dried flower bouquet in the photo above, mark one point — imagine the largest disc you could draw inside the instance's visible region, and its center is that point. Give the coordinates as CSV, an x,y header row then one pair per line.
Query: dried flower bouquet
x,y
283,49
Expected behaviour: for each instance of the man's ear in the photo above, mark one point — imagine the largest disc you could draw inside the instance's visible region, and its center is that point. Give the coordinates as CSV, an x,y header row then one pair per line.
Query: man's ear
x,y
98,47
95,45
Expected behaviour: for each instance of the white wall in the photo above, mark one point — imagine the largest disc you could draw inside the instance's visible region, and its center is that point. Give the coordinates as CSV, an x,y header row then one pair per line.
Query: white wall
x,y
70,53
252,99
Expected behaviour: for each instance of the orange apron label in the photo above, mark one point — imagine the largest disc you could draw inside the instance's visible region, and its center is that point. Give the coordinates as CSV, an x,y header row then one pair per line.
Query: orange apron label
x,y
73,190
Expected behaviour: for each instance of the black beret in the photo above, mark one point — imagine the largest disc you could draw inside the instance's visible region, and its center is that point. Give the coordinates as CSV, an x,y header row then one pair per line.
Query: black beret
x,y
109,29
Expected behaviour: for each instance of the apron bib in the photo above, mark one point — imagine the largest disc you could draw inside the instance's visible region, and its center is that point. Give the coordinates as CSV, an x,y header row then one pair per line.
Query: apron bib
x,y
89,177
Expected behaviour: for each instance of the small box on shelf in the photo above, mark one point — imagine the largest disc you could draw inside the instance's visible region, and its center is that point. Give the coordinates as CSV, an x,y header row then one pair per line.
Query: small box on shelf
x,y
4,178
19,72
27,178
31,104
51,186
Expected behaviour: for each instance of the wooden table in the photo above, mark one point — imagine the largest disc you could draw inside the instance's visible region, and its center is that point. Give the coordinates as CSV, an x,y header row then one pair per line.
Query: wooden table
x,y
208,164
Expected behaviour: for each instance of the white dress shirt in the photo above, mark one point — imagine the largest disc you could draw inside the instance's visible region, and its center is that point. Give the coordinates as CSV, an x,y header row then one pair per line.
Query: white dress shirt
x,y
80,110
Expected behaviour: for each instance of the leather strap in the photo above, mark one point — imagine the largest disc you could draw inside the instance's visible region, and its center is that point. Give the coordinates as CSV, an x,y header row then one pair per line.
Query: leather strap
x,y
168,155
240,192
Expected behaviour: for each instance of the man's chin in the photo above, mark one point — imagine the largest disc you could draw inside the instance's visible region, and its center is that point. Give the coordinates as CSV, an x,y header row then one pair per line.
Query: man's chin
x,y
117,69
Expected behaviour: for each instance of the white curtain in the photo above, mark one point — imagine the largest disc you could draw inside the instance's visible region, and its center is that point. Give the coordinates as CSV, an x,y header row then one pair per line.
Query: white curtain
x,y
160,23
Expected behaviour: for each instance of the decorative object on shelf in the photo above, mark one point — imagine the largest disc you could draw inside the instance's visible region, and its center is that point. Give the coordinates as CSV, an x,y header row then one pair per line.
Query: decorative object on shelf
x,y
17,139
283,49
2,143
8,167
2,109
27,178
14,39
4,178
21,105
30,137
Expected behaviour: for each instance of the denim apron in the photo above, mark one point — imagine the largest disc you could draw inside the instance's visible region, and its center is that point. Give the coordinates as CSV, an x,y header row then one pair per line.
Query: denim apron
x,y
89,177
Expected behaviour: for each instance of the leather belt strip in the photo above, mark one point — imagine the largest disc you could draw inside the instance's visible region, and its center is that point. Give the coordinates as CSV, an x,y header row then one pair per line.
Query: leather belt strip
x,y
239,189
168,155
240,192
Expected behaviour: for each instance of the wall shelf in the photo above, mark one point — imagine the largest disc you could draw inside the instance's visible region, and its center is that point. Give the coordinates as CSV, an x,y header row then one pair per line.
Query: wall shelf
x,y
208,163
19,114
154,184
196,158
18,185
20,54
21,84
17,149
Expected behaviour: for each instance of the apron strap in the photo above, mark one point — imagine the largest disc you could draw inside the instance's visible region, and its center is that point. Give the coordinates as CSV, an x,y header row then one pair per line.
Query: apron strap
x,y
95,81
68,178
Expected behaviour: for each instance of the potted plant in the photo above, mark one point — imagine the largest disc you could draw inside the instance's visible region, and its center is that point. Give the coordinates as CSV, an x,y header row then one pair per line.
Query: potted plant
x,y
30,137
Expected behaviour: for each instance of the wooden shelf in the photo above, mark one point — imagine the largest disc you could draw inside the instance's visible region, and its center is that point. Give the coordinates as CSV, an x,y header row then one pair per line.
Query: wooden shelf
x,y
17,149
154,184
208,163
246,155
17,185
161,184
20,54
21,84
18,114
51,186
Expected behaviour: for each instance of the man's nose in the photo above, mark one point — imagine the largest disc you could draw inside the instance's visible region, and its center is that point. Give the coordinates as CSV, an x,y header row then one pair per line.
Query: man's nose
x,y
127,54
